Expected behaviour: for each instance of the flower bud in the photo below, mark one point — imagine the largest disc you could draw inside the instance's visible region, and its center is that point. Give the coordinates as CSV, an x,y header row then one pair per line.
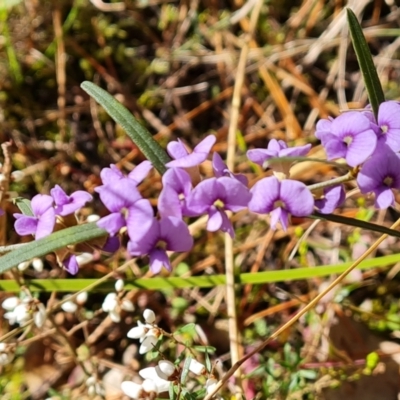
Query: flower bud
x,y
119,285
149,316
196,367
166,367
17,176
37,264
81,298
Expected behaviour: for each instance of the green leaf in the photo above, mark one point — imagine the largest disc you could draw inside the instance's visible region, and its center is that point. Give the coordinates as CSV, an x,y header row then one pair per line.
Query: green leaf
x,y
185,370
57,240
189,328
357,223
205,349
367,67
24,205
139,135
157,283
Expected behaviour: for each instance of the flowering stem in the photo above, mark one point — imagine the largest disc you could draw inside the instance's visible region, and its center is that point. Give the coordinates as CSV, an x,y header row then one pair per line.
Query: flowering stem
x,y
341,179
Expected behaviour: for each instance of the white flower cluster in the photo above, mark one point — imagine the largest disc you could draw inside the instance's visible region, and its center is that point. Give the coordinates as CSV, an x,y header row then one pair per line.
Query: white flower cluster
x,y
157,379
20,311
147,333
114,303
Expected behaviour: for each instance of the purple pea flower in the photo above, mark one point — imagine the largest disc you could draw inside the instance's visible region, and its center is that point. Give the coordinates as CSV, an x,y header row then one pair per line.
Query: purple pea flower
x,y
177,186
333,197
71,264
276,149
221,169
43,220
350,136
112,174
182,158
388,127
380,175
281,198
169,233
118,196
214,196
65,204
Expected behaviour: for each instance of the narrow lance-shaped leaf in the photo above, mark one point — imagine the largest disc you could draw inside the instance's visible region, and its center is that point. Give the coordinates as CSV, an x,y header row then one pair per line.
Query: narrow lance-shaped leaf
x,y
55,241
367,67
139,135
357,223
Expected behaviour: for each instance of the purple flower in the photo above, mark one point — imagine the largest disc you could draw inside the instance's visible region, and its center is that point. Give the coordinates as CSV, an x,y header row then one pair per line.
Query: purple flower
x,y
281,198
112,174
182,158
177,186
350,136
43,220
169,233
71,264
333,197
276,149
118,197
65,204
380,175
221,169
140,171
214,196
389,125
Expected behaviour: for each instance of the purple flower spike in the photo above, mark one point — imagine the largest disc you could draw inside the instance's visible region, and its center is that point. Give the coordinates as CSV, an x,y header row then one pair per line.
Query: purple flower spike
x,y
182,158
281,198
43,220
389,125
71,264
214,196
350,136
65,204
380,175
334,197
177,186
221,169
169,233
276,149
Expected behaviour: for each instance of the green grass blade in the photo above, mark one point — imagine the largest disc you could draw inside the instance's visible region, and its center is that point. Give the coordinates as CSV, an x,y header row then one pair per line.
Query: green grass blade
x,y
57,240
357,223
367,67
139,135
158,283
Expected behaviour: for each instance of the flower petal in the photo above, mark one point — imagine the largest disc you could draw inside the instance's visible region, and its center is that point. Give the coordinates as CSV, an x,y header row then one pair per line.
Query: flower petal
x,y
265,192
46,223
